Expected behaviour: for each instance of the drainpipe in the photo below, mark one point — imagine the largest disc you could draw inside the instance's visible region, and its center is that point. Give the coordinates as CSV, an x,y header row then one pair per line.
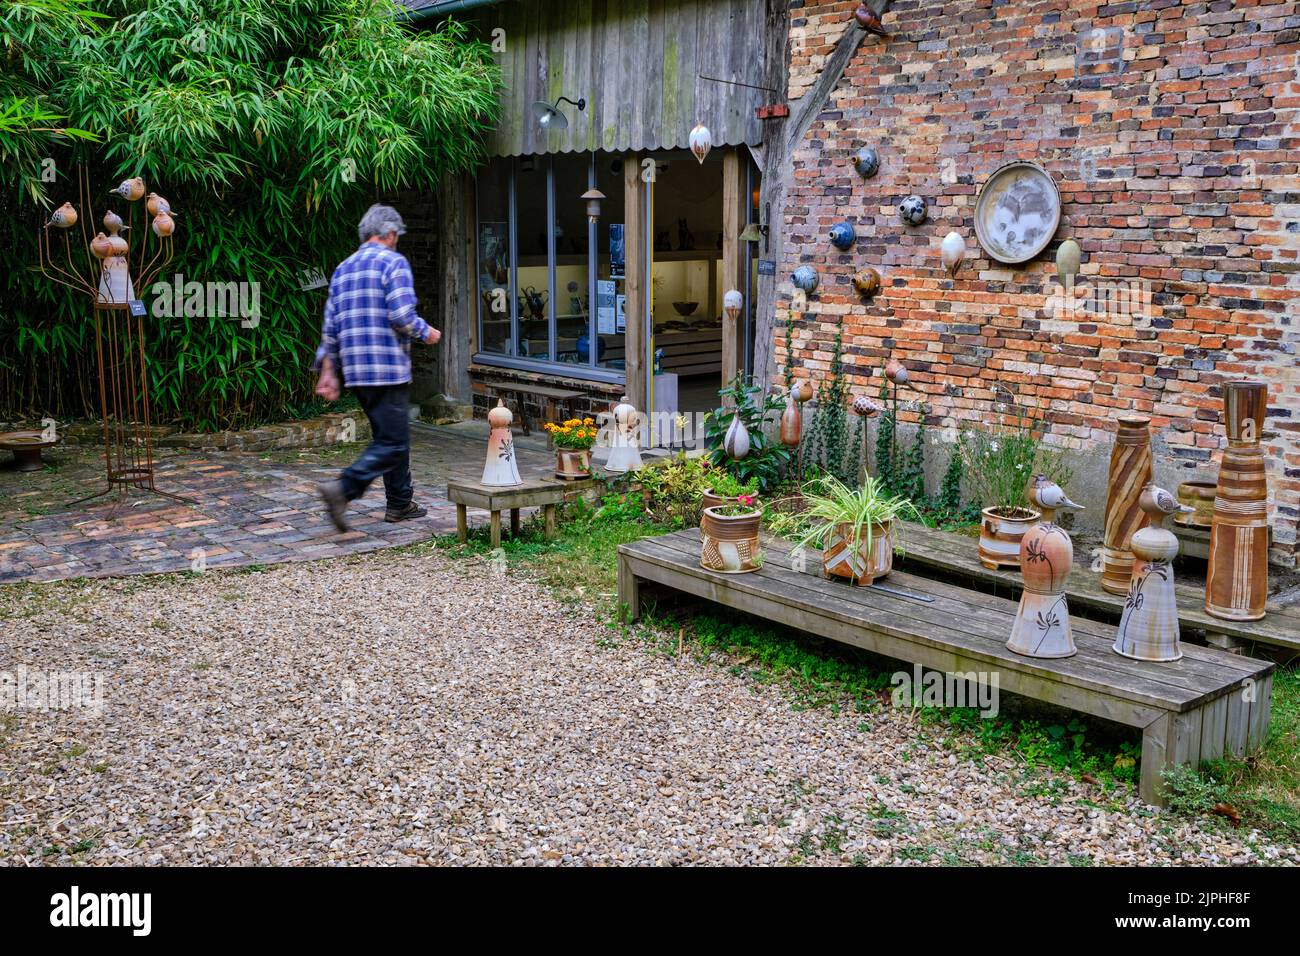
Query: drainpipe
x,y
442,8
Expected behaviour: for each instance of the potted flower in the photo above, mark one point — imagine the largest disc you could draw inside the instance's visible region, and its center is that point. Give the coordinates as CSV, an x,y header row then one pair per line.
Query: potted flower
x,y
729,536
573,440
855,528
999,467
725,488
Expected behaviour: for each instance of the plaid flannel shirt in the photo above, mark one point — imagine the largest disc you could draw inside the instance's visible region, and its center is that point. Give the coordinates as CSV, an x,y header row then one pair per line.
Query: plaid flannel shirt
x,y
370,318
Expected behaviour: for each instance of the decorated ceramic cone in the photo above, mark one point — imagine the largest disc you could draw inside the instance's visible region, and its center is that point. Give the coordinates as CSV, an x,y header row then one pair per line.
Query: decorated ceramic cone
x,y
501,468
1042,627
1130,472
623,453
1148,631
115,281
1237,581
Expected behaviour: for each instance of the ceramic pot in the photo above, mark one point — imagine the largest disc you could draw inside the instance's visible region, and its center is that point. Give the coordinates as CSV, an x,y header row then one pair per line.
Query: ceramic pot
x,y
1236,586
730,544
862,565
572,463
1199,497
711,500
1001,535
1130,473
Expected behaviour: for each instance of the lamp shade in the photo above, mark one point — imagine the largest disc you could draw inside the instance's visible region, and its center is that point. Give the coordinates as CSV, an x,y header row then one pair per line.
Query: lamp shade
x,y
592,198
548,117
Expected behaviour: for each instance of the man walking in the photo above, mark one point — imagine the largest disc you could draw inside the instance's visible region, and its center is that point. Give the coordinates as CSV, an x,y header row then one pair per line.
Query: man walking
x,y
370,322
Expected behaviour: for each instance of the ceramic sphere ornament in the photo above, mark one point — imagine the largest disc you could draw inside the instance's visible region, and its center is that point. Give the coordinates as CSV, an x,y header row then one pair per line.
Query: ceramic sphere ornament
x,y
501,469
866,162
701,141
867,283
865,407
805,392
65,217
952,251
1068,256
624,454
130,189
843,236
806,278
732,304
914,210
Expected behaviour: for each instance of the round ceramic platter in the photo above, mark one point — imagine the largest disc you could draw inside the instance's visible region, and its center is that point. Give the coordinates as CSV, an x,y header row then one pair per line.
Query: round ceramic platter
x,y
1017,212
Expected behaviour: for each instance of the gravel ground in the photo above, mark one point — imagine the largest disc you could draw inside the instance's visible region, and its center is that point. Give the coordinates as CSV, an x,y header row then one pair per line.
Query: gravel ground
x,y
408,709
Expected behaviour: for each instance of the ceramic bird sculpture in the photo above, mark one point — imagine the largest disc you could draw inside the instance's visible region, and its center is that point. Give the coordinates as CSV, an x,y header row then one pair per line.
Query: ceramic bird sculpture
x,y
1148,629
1042,627
155,204
100,246
113,223
65,217
130,189
163,225
868,20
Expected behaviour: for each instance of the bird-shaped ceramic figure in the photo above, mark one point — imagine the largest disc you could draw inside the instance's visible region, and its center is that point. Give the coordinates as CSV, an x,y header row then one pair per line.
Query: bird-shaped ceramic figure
x,y
113,223
1148,629
163,225
117,246
99,246
65,217
130,189
896,372
868,20
155,204
1042,627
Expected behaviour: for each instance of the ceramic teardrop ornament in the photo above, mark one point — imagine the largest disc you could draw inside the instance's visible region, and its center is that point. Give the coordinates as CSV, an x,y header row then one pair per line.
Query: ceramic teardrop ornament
x,y
1067,261
736,444
701,141
952,250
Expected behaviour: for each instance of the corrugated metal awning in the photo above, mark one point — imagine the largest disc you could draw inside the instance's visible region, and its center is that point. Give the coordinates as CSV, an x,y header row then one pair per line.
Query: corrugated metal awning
x,y
638,63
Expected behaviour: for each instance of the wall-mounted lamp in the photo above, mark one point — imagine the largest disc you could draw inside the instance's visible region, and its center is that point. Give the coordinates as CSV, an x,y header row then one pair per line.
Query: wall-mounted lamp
x,y
548,115
593,197
758,230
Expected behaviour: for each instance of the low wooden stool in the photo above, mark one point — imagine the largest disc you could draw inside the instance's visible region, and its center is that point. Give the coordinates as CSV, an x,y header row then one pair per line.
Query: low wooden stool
x,y
536,493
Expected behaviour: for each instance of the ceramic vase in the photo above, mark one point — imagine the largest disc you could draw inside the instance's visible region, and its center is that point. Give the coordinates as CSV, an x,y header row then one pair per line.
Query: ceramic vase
x,y
791,421
1001,535
501,469
1198,496
730,544
1042,627
1237,579
862,565
1148,630
1130,472
572,463
624,454
736,442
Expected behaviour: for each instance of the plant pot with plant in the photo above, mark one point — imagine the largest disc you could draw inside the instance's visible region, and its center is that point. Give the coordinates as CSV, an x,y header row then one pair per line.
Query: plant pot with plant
x,y
573,440
856,528
729,540
726,489
999,466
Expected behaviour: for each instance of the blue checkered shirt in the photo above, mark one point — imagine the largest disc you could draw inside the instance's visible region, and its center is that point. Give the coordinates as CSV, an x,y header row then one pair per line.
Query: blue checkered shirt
x,y
370,318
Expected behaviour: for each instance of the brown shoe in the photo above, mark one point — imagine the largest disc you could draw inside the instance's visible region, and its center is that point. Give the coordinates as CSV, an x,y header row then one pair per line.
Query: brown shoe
x,y
412,510
336,503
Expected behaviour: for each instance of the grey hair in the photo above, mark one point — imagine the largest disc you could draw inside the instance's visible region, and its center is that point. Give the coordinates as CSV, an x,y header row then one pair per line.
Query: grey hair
x,y
380,220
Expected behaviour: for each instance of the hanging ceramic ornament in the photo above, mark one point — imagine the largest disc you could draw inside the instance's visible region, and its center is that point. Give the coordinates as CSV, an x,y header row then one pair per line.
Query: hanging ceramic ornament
x,y
130,189
867,283
701,141
806,278
952,250
736,442
1042,627
1067,262
1148,631
65,217
501,469
914,210
843,235
791,420
866,162
624,455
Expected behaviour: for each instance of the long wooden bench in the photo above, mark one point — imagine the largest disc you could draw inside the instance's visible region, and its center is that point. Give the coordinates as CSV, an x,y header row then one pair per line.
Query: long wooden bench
x,y
1208,704
945,551
551,400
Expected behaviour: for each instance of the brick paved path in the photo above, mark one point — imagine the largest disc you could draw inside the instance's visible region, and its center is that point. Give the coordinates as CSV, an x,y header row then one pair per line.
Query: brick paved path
x,y
251,508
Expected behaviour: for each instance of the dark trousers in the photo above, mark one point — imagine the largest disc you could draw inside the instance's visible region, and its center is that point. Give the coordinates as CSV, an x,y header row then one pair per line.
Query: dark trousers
x,y
389,454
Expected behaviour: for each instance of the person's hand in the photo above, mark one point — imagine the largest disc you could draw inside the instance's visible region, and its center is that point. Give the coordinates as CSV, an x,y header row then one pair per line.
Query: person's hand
x,y
327,386
433,337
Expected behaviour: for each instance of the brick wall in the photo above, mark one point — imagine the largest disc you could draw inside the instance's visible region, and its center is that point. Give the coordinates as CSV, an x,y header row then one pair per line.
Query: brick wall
x,y
1171,130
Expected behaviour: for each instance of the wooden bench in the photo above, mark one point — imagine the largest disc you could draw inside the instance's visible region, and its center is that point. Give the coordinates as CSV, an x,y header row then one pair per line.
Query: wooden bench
x,y
1208,704
550,399
934,550
494,499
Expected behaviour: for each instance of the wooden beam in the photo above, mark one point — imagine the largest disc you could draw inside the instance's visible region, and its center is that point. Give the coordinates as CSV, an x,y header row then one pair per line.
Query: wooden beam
x,y
459,300
634,228
732,333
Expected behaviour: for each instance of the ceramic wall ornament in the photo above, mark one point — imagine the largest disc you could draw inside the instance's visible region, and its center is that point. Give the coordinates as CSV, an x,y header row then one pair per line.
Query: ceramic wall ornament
x,y
1148,629
1068,257
867,283
736,442
952,251
867,19
843,236
1042,627
896,372
65,217
733,303
1130,473
914,210
1236,586
1017,212
624,452
867,162
130,189
701,141
501,469
792,420
806,279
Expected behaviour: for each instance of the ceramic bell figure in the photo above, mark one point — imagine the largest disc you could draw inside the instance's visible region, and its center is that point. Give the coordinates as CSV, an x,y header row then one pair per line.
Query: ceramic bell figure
x,y
501,469
65,217
1148,631
624,455
1042,627
952,250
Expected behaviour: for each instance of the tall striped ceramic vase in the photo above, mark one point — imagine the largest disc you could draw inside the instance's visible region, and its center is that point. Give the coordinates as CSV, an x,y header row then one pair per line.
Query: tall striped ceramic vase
x,y
1237,581
1130,471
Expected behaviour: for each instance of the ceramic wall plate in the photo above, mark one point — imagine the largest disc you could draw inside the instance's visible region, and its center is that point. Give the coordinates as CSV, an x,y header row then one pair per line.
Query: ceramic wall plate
x,y
1017,212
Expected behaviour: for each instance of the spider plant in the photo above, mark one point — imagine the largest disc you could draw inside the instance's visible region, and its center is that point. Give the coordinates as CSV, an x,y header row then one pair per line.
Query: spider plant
x,y
831,504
